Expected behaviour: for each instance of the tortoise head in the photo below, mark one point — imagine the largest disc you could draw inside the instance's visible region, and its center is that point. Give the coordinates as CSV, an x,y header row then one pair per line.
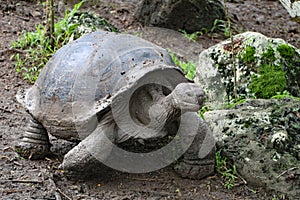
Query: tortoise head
x,y
187,97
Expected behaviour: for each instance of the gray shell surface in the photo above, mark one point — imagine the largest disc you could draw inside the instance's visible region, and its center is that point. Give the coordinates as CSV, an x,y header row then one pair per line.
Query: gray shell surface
x,y
94,68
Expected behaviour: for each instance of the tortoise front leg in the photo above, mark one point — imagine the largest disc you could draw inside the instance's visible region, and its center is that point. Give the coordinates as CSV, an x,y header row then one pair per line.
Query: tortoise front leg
x,y
199,159
92,150
34,142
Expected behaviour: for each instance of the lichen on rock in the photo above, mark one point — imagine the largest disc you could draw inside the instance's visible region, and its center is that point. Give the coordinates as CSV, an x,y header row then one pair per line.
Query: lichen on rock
x,y
264,67
262,138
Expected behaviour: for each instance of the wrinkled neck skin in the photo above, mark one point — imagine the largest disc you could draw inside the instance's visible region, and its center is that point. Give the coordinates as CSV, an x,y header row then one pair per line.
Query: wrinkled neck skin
x,y
162,113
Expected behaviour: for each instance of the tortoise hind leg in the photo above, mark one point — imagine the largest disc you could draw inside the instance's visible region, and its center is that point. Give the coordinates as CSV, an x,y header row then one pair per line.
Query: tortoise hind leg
x,y
34,143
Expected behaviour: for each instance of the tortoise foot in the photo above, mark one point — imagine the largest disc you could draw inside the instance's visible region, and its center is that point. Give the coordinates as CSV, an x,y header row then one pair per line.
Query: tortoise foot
x,y
195,170
34,142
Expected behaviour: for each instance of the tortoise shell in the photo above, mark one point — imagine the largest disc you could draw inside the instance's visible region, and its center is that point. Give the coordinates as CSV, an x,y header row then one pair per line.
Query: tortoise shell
x,y
89,73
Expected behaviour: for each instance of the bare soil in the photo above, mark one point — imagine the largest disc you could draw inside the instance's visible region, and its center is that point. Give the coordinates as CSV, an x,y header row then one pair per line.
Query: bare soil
x,y
28,179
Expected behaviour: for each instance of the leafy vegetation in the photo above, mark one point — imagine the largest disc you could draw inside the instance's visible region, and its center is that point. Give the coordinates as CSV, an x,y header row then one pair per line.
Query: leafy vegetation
x,y
223,26
193,36
237,102
279,197
37,46
284,94
188,68
227,171
203,110
219,25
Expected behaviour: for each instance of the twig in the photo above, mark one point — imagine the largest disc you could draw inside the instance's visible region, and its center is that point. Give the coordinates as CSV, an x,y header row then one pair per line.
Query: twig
x,y
232,51
7,148
12,191
19,164
145,179
23,18
22,181
244,181
12,49
3,51
55,189
141,179
291,169
17,50
66,196
155,192
4,157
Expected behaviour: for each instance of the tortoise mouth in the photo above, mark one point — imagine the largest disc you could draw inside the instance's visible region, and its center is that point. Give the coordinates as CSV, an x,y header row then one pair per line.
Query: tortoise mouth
x,y
142,99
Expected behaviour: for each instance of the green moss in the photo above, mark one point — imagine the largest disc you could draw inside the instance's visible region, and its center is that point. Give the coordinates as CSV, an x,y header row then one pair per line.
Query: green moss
x,y
248,56
286,51
268,57
291,64
262,72
269,82
274,74
284,95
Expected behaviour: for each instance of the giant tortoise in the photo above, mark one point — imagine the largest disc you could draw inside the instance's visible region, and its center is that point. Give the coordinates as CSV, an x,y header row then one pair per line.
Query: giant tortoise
x,y
106,89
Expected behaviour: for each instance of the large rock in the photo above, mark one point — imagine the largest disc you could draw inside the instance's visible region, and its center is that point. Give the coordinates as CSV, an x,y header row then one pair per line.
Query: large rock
x,y
189,15
262,138
264,67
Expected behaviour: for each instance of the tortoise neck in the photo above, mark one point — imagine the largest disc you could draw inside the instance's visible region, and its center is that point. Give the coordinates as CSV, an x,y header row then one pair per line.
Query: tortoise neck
x,y
162,113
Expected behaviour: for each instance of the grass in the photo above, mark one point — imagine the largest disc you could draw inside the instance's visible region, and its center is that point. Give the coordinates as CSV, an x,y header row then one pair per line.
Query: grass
x,y
279,197
36,46
192,36
188,68
220,26
284,94
226,170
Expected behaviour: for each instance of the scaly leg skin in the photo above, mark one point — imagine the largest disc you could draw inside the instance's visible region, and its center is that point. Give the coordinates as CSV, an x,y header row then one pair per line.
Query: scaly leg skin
x,y
92,150
34,142
199,160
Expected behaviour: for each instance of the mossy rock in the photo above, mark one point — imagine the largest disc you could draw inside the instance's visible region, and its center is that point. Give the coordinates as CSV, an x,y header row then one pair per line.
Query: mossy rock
x,y
262,139
89,22
264,67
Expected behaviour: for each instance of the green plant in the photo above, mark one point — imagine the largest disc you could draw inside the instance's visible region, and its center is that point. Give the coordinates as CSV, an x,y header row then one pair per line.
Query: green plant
x,y
277,71
290,60
192,36
284,94
188,68
203,110
37,46
268,56
226,170
269,82
286,51
279,197
249,55
238,101
222,25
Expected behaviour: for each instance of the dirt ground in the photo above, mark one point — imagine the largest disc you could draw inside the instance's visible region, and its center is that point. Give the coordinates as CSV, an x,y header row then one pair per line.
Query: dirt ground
x,y
27,179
